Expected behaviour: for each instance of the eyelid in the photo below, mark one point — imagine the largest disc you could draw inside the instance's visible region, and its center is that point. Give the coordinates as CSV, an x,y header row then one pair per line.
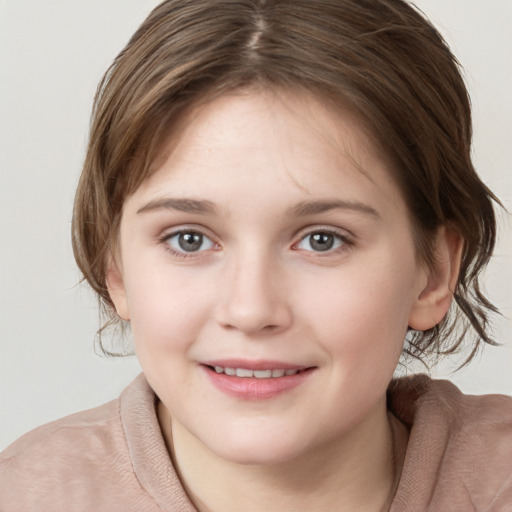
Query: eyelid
x,y
346,237
170,233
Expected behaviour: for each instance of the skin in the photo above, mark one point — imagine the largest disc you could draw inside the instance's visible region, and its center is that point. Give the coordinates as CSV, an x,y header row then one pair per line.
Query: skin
x,y
258,289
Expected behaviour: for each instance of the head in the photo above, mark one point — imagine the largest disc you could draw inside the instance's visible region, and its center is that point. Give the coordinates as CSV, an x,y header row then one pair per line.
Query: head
x,y
379,60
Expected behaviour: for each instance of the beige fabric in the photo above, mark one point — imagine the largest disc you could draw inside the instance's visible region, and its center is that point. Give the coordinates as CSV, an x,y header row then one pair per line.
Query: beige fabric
x,y
459,456
113,458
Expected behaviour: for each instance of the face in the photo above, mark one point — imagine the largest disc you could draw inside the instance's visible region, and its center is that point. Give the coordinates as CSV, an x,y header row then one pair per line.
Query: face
x,y
269,274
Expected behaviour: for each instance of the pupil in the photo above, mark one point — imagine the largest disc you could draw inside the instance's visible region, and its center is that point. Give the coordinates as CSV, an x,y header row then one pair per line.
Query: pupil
x,y
190,241
322,241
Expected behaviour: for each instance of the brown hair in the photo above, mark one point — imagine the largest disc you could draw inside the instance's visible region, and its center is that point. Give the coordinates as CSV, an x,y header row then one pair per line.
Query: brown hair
x,y
381,58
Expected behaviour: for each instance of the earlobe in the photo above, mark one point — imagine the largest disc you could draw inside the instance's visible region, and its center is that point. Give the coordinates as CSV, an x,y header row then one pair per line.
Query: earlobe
x,y
116,290
436,291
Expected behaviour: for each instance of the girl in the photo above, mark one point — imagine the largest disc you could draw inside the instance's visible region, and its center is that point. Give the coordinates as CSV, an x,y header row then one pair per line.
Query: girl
x,y
275,196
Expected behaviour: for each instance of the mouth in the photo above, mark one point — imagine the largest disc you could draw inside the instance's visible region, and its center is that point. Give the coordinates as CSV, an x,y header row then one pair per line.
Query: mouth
x,y
247,373
259,381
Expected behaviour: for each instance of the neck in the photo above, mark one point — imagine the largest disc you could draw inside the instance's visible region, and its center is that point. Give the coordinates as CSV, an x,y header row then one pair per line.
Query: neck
x,y
357,472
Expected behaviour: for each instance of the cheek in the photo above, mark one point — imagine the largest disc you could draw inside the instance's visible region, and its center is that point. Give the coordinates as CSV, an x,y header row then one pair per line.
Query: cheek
x,y
361,315
168,308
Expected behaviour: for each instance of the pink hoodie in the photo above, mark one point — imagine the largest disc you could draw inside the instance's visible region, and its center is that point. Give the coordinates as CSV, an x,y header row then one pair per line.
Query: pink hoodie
x,y
113,458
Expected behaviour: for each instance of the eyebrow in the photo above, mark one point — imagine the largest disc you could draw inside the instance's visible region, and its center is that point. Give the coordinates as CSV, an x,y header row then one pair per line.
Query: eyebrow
x,y
305,208
316,207
182,205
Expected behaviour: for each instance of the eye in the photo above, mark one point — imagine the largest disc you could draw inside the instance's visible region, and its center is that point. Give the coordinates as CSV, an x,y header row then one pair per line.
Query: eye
x,y
321,241
189,241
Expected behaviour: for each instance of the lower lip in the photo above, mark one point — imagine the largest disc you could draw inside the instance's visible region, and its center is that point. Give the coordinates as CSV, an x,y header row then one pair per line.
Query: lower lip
x,y
251,388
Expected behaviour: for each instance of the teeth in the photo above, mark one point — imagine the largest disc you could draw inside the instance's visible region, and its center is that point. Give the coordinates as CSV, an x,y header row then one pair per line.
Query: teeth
x,y
263,374
242,372
259,374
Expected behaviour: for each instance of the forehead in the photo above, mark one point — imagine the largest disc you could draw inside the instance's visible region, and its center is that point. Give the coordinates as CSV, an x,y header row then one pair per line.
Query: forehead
x,y
291,140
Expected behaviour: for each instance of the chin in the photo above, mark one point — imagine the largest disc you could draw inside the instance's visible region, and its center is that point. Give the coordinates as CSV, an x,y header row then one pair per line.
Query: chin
x,y
257,450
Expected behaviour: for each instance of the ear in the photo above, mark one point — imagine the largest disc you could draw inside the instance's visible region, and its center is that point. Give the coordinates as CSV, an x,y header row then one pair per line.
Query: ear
x,y
436,292
116,290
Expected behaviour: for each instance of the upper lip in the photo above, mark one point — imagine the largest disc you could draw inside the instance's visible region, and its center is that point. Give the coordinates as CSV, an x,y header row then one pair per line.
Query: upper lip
x,y
254,364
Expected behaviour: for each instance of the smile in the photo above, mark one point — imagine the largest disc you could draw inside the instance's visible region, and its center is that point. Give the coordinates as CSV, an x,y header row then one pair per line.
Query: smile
x,y
258,374
261,381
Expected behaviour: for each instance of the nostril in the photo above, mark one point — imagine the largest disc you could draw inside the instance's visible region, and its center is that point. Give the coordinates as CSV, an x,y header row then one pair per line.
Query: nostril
x,y
253,310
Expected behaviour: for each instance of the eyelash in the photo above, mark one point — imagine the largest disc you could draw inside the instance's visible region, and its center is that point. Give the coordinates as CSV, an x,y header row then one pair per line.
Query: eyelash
x,y
344,239
165,240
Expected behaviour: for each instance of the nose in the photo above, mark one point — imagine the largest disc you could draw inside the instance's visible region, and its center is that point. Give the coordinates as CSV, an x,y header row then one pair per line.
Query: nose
x,y
254,298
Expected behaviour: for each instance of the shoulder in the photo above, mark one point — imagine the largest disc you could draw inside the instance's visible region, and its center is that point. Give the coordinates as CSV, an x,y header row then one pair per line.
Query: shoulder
x,y
70,464
460,446
56,435
414,396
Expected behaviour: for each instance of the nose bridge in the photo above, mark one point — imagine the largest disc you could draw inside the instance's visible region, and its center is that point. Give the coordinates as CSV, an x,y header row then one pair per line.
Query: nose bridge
x,y
254,298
